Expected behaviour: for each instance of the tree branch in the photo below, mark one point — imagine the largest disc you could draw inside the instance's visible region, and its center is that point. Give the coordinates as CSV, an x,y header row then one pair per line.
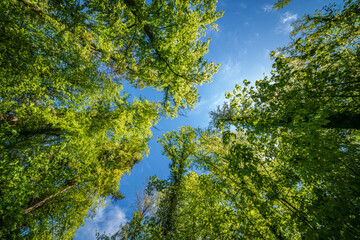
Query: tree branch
x,y
41,203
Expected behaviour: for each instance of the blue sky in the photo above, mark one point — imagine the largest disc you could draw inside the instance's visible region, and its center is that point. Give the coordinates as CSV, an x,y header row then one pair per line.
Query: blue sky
x,y
248,31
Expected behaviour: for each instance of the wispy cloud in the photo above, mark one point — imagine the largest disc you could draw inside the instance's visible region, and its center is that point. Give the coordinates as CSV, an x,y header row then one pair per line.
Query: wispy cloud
x,y
288,17
285,22
242,5
107,219
230,69
218,100
267,8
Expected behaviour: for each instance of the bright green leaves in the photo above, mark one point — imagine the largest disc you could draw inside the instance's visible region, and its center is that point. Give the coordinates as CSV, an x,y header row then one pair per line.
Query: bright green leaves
x,y
93,148
179,147
314,81
170,53
256,187
234,198
294,131
289,168
150,45
63,117
184,141
280,4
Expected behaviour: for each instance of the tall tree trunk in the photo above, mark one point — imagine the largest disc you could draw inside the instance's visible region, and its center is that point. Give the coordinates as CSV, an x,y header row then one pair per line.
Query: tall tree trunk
x,y
173,198
46,200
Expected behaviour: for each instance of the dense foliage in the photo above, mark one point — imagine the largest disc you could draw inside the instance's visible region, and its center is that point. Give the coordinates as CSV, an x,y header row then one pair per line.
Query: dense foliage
x,y
282,161
67,130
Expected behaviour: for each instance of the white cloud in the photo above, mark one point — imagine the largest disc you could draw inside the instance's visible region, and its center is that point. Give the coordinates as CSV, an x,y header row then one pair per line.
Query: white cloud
x,y
285,23
107,219
288,17
267,8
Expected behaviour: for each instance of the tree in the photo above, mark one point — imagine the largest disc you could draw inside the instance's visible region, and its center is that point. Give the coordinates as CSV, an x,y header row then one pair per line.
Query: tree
x,y
71,173
162,224
179,147
188,205
303,123
67,130
315,78
234,199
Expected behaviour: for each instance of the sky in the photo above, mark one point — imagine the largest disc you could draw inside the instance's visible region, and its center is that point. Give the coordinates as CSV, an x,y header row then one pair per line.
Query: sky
x,y
247,33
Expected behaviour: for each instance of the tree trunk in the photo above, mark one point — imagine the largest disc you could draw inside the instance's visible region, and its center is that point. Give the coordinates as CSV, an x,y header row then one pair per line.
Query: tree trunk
x,y
46,200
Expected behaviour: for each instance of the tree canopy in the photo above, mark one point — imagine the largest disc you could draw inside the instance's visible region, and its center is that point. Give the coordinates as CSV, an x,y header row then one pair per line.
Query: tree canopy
x,y
304,120
68,131
281,160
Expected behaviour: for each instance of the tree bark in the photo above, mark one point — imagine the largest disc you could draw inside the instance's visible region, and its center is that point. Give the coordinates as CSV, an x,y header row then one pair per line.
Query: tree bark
x,y
46,200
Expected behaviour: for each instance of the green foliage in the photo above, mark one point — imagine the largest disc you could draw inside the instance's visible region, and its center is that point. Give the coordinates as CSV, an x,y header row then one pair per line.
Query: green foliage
x,y
283,159
302,126
67,130
280,4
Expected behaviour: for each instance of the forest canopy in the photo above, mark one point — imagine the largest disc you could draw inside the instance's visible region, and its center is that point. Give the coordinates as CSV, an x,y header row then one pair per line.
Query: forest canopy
x,y
68,132
281,160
